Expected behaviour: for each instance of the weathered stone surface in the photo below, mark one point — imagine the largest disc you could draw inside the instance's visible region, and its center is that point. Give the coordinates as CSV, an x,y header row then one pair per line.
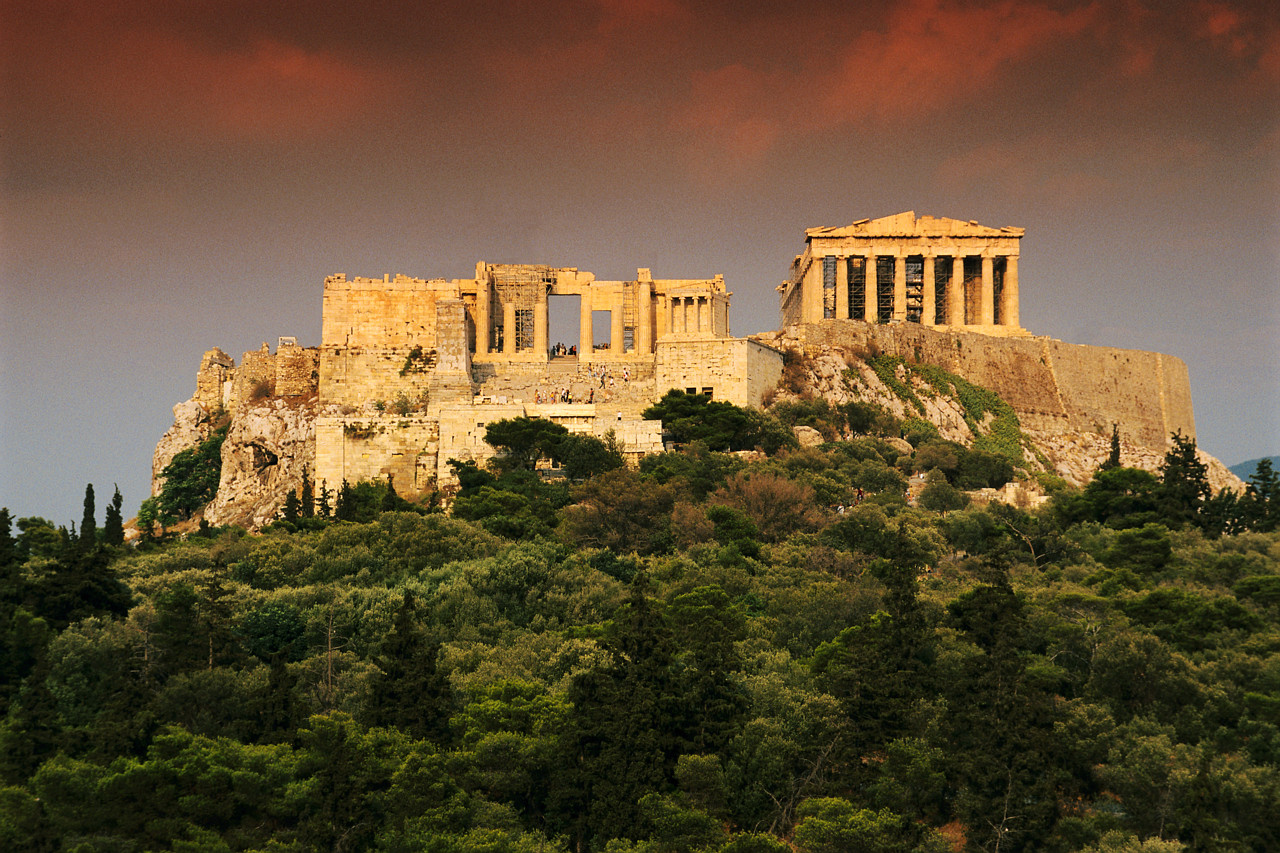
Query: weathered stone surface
x,y
269,449
807,436
191,425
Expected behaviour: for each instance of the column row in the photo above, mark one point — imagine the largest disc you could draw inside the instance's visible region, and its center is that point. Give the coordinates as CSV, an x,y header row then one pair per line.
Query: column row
x,y
931,289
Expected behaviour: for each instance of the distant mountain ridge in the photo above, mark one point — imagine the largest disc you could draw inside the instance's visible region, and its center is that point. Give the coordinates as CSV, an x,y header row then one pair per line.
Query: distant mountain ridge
x,y
1244,469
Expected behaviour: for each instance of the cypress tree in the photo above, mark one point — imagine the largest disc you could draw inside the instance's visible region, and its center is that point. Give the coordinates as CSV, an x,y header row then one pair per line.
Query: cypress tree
x,y
8,547
113,525
409,691
1113,459
308,508
88,525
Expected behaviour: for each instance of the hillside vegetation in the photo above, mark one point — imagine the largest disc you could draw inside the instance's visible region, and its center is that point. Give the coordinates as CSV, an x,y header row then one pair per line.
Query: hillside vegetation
x,y
704,654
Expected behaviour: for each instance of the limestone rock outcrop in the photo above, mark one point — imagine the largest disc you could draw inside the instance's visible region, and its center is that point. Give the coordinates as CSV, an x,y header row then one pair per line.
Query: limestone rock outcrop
x,y
269,450
192,424
1063,394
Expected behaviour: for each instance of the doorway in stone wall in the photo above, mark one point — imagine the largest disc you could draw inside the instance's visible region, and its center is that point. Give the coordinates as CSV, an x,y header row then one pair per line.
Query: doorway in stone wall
x,y
564,318
602,330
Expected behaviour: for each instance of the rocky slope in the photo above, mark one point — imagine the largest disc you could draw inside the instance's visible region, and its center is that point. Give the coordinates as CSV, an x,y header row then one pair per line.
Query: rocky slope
x,y
269,449
843,374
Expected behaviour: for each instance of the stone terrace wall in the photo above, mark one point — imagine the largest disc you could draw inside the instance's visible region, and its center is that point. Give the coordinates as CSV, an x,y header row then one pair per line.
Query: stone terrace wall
x,y
1053,386
741,371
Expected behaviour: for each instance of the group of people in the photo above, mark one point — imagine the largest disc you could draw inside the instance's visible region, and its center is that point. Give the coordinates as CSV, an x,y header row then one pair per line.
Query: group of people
x,y
560,350
563,395
603,374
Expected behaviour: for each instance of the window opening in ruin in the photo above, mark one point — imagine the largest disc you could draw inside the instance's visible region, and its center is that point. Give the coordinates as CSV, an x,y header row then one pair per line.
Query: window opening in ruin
x,y
829,286
602,330
941,278
709,393
884,289
997,289
857,288
972,291
691,391
564,323
915,288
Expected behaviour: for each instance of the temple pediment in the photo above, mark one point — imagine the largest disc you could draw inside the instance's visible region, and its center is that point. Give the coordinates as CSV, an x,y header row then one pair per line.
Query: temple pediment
x,y
907,224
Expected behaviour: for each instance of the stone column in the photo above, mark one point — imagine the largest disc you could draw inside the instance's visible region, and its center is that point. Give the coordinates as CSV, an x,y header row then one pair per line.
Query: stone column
x,y
986,300
540,342
704,314
644,318
900,287
929,292
1009,311
482,317
842,288
508,328
955,292
615,326
813,291
870,295
586,339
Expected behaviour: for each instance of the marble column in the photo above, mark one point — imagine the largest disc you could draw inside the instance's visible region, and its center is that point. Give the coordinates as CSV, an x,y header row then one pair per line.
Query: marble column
x,y
842,288
1009,311
929,292
986,301
482,317
508,328
704,314
586,338
644,318
813,291
540,343
615,326
955,292
900,287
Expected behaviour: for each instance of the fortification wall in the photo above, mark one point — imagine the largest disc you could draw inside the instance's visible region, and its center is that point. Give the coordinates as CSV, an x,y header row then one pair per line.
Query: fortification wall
x,y
1053,386
738,370
373,448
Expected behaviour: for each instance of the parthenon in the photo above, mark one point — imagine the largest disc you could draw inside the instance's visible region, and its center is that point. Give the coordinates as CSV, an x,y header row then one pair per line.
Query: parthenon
x,y
927,270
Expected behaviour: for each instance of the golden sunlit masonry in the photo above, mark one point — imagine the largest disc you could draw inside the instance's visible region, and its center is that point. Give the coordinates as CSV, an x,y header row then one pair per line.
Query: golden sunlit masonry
x,y
410,370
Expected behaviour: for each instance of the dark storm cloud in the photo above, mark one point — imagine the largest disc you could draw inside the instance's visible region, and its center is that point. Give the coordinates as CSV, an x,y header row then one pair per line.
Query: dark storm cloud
x,y
179,175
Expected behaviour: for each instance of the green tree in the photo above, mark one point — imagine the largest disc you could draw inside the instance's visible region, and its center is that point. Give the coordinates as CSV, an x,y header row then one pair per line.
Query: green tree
x,y
1113,458
410,691
113,524
191,477
522,442
584,456
718,424
1184,482
88,523
1262,498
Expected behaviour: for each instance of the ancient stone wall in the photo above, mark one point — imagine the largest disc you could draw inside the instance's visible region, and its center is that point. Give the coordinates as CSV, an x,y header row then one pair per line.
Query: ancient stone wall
x,y
297,370
214,379
1053,386
736,369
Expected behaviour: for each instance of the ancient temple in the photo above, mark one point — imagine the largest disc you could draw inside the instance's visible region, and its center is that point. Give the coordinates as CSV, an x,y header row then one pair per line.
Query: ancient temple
x,y
904,269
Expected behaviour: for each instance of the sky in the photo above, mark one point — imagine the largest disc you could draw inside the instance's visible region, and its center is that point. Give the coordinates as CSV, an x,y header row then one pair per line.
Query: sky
x,y
179,176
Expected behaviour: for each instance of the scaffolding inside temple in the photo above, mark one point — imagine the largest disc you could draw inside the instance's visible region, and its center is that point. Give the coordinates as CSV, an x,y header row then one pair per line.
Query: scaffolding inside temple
x,y
884,288
857,288
524,286
829,286
915,288
941,278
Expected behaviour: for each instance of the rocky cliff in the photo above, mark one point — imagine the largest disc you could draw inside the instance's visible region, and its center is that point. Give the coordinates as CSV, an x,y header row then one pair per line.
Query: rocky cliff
x,y
1066,397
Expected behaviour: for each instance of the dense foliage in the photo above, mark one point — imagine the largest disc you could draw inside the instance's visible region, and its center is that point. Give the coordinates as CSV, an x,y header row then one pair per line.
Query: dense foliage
x,y
698,655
